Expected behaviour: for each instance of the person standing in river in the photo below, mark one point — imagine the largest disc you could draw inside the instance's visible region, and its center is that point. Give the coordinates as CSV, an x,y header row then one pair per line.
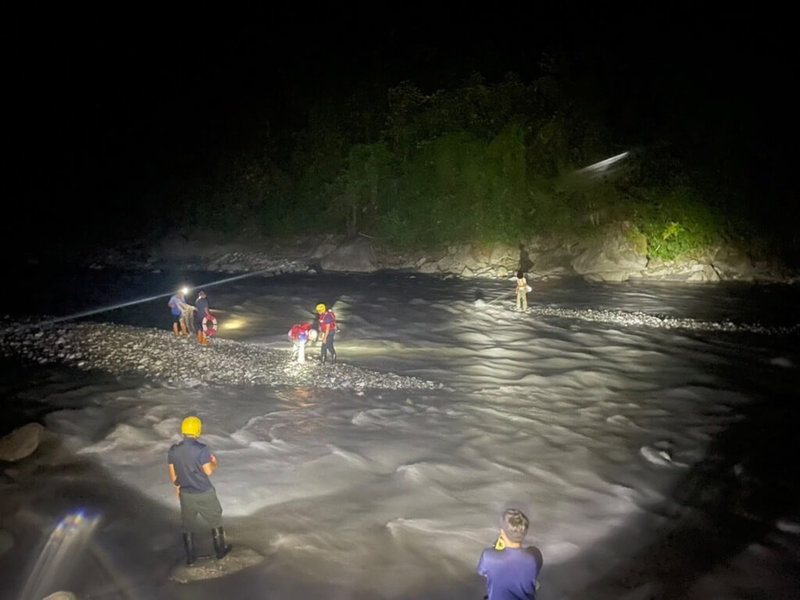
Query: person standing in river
x,y
522,291
190,465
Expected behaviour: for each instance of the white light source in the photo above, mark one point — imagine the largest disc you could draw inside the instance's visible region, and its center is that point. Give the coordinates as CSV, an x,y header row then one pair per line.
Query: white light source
x,y
602,166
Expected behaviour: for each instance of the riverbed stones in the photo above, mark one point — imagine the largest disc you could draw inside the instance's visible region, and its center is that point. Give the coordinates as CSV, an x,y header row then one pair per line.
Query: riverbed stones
x,y
180,361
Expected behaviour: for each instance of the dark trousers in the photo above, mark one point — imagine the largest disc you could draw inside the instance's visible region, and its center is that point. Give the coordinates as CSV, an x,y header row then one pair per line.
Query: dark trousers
x,y
206,504
328,346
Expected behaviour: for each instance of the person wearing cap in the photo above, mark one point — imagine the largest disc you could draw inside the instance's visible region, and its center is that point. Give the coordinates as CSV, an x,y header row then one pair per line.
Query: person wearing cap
x,y
511,571
202,311
190,465
178,307
327,332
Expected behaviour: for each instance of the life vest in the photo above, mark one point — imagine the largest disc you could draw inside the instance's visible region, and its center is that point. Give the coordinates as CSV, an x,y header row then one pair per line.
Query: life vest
x,y
327,321
209,325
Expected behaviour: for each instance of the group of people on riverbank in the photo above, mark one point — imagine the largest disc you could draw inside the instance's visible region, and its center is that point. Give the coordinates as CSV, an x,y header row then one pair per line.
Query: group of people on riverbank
x,y
324,329
197,318
200,319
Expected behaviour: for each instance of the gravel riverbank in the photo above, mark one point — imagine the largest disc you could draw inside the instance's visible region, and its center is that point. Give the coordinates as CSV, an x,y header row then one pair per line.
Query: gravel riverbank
x,y
181,361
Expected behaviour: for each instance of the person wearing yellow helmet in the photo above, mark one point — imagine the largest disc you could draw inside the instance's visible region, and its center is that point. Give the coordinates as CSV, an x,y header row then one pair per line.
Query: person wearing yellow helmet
x,y
190,464
327,332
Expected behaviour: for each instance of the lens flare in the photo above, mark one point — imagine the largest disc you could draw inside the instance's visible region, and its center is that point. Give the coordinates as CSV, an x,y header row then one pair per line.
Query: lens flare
x,y
64,547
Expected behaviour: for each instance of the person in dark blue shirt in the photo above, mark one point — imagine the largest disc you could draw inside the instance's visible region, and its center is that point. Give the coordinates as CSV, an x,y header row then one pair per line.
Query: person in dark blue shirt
x,y
202,311
511,571
190,465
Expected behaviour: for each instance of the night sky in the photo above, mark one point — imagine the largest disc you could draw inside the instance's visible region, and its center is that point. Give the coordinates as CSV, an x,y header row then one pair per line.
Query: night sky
x,y
102,106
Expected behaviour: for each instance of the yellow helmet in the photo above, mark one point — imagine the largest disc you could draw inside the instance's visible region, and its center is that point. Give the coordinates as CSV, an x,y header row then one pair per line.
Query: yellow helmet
x,y
191,426
320,308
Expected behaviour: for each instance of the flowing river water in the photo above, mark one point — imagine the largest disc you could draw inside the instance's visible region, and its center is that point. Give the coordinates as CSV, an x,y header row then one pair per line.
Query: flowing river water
x,y
649,431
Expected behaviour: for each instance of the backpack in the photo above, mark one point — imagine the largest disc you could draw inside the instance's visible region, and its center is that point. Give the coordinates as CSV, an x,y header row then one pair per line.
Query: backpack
x,y
297,329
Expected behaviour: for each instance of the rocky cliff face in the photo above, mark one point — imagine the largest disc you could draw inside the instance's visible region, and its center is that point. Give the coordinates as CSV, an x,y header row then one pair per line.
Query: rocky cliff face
x,y
615,255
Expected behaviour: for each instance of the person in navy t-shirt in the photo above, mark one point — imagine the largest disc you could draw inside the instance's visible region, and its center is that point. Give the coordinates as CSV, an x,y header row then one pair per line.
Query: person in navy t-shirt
x,y
202,311
511,571
190,464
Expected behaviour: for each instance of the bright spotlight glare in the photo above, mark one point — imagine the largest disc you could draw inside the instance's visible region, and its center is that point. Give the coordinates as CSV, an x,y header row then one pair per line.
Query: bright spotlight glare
x,y
232,324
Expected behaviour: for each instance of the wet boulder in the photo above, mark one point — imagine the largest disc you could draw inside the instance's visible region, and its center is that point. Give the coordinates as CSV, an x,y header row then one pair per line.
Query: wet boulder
x,y
613,256
355,255
21,442
208,567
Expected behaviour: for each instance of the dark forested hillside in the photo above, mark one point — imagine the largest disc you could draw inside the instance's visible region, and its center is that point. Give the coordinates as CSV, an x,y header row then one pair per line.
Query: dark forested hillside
x,y
414,127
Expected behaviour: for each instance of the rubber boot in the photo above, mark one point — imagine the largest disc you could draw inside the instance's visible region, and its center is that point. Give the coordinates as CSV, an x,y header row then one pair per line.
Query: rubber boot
x,y
184,330
175,329
220,547
188,545
333,357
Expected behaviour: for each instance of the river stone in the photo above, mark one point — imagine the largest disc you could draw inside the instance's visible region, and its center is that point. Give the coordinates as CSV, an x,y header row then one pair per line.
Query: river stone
x,y
21,442
208,567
